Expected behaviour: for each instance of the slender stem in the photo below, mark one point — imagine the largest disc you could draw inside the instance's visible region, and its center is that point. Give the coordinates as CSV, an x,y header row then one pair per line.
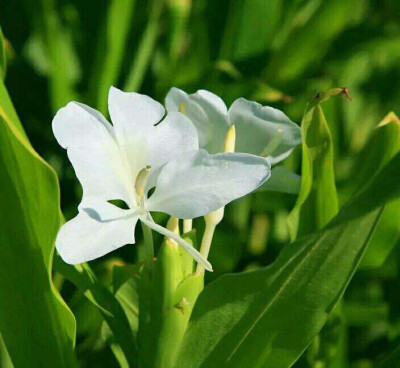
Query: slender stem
x,y
206,244
146,251
187,225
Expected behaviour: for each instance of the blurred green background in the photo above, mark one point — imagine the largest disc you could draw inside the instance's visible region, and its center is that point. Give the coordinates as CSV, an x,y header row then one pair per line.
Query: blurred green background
x,y
277,52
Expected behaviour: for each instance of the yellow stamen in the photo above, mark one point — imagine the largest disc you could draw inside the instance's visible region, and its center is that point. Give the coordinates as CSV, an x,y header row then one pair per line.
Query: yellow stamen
x,y
182,108
230,140
141,181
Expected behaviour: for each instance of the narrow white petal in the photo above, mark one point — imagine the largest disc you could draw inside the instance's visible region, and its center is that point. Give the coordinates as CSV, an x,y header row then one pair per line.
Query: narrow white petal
x,y
93,151
257,125
190,249
95,232
133,113
199,183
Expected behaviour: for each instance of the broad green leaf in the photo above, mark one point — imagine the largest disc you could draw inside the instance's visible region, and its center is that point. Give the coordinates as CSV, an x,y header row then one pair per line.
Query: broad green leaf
x,y
285,305
317,202
5,360
35,323
3,57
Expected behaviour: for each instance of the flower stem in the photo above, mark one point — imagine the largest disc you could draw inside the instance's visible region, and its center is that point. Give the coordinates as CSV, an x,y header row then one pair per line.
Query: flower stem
x,y
146,251
187,226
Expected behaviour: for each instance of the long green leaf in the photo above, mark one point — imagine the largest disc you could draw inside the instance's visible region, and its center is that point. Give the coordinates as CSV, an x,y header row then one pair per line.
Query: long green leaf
x,y
317,202
269,316
37,327
382,146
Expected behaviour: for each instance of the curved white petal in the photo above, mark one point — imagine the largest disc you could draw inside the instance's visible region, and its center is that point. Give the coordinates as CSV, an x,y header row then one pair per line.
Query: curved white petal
x,y
133,113
210,102
263,128
95,232
185,245
93,151
172,138
199,183
206,111
174,99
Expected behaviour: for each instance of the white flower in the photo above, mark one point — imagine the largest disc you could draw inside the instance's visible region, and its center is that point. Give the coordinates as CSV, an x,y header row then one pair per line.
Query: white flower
x,y
123,161
260,130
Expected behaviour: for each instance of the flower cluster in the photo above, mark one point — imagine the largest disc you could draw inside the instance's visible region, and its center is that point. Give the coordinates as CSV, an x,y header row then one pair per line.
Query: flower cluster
x,y
176,153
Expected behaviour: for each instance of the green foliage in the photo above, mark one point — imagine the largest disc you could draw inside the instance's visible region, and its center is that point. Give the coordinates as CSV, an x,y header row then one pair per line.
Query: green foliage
x,y
317,202
287,303
278,52
35,323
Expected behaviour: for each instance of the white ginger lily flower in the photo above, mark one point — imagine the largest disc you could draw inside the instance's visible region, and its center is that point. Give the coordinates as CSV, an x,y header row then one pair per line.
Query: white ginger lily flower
x,y
140,151
260,130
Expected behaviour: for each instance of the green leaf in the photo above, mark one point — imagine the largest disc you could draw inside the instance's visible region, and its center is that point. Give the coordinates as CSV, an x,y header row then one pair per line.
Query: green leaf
x,y
108,304
5,360
3,57
317,202
285,305
382,146
35,323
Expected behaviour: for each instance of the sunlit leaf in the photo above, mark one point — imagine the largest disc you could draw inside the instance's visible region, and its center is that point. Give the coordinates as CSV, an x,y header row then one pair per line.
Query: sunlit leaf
x,y
317,202
35,323
285,305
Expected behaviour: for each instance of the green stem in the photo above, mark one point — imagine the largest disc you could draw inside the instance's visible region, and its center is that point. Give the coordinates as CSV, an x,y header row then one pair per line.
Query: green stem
x,y
146,251
146,47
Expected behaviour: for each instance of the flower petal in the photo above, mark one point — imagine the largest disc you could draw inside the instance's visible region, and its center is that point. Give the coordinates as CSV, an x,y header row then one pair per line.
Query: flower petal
x,y
185,245
174,136
262,128
132,113
199,183
206,111
93,151
95,232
